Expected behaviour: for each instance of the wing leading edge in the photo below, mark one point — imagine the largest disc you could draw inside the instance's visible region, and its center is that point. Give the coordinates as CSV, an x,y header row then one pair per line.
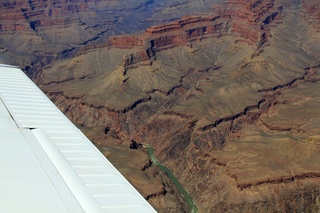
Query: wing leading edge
x,y
47,164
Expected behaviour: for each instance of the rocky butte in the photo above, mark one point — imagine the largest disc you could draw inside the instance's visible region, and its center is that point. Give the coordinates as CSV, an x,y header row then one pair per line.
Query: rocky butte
x,y
226,92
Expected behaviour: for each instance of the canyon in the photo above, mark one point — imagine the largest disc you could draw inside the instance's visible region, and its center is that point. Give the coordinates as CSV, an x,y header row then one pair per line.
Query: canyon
x,y
226,92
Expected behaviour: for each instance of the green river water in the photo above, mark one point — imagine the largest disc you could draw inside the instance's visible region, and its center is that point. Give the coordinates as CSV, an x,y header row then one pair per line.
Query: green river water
x,y
184,193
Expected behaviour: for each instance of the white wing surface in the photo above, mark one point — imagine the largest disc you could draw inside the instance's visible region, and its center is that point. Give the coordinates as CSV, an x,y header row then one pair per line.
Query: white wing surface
x,y
47,164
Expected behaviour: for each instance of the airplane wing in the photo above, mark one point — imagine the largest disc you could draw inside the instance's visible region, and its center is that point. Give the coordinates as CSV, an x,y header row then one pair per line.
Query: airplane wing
x,y
47,164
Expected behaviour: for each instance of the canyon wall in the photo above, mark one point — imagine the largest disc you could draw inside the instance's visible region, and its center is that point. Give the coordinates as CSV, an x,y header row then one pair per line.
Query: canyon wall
x,y
227,95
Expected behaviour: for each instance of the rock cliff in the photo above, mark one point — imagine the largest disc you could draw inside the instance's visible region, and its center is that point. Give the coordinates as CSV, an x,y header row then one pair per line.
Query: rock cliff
x,y
63,26
227,96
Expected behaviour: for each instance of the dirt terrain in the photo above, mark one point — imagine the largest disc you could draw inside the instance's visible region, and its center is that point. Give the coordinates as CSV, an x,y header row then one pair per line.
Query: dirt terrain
x,y
226,92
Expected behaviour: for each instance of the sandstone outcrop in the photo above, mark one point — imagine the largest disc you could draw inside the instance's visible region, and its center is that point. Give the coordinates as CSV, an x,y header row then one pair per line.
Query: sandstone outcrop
x,y
228,98
212,94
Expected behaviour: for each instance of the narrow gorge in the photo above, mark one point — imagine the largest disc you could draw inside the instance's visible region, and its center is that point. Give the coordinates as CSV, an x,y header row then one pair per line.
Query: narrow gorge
x,y
226,93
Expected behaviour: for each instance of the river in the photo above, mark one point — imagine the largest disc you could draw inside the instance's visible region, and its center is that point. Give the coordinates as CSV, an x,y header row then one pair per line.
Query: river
x,y
184,193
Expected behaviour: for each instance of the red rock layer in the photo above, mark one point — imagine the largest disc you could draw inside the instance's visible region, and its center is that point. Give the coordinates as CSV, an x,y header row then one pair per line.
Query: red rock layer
x,y
249,10
235,19
238,14
20,15
312,8
11,16
178,25
126,41
246,19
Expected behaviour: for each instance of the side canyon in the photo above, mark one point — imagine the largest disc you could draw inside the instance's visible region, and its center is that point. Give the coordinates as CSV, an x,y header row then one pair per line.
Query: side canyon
x,y
226,92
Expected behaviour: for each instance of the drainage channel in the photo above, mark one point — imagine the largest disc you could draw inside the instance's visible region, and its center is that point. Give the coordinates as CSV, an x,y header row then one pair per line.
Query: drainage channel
x,y
184,193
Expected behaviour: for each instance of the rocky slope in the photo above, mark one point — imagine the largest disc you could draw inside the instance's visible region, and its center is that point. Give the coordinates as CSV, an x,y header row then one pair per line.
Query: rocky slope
x,y
227,95
37,32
